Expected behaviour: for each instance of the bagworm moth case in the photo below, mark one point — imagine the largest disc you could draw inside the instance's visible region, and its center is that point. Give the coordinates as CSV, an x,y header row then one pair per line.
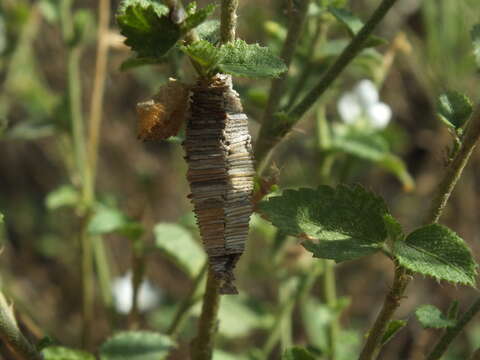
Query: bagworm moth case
x,y
220,172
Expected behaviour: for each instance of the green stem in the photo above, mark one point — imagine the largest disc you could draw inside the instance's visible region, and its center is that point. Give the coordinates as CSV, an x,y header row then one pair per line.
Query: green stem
x,y
186,304
228,21
455,169
451,333
138,272
202,345
330,293
297,17
273,132
319,38
402,278
87,281
95,122
12,336
303,289
103,269
79,143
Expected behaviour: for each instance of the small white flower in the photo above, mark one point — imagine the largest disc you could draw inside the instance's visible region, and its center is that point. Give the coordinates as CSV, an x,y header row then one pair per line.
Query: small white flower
x,y
122,290
362,103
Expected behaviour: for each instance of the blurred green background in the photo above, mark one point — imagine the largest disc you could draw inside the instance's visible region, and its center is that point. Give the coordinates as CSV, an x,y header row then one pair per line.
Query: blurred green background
x,y
141,185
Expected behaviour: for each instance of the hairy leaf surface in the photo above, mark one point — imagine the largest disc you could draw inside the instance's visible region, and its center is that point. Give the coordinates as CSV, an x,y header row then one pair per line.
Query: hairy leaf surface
x,y
431,317
136,345
454,109
437,251
63,353
340,224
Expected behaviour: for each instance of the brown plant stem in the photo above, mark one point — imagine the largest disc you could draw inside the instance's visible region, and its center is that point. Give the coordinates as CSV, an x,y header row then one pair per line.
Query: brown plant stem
x,y
402,278
202,345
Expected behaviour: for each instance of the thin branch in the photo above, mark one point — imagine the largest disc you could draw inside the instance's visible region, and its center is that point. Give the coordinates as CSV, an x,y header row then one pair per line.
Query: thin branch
x,y
455,169
402,278
273,132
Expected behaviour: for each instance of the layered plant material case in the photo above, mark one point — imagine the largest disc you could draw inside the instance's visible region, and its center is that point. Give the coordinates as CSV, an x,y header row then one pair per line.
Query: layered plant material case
x,y
220,172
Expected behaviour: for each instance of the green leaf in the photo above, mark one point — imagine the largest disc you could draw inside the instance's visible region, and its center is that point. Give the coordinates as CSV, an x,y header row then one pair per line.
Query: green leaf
x,y
65,195
454,109
148,29
394,326
108,220
249,60
209,30
63,353
196,18
297,353
204,53
136,345
431,317
371,147
436,251
346,222
397,167
151,31
238,319
180,247
475,33
353,25
394,228
236,58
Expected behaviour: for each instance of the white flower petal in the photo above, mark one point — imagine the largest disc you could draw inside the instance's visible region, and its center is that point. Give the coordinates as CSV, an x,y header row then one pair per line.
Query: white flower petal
x,y
349,108
122,290
122,293
379,115
148,296
367,93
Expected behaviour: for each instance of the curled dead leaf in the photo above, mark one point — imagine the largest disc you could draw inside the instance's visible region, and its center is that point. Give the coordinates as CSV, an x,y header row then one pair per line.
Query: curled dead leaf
x,y
162,116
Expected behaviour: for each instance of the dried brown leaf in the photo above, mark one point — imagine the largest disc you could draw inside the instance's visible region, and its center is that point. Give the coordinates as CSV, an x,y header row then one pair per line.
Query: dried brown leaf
x,y
162,116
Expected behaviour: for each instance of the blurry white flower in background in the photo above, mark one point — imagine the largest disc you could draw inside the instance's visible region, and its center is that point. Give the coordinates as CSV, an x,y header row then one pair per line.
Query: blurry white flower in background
x,y
122,291
362,105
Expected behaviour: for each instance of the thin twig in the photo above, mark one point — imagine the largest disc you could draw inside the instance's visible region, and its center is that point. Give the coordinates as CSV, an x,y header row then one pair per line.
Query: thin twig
x,y
202,346
274,131
11,335
402,278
